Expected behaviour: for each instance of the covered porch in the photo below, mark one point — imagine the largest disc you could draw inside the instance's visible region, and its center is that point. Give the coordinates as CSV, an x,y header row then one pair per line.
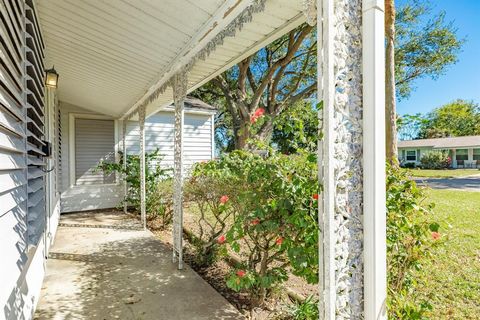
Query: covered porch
x,y
123,61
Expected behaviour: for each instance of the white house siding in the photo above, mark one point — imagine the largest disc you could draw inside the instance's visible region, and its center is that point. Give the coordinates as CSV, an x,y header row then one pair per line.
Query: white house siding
x,y
402,154
159,133
78,196
82,197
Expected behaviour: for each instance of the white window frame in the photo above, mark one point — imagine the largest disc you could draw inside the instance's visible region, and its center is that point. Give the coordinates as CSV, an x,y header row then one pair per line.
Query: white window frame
x,y
71,143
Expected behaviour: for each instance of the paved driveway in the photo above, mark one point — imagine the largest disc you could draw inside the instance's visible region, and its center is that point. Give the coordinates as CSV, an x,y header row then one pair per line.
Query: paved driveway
x,y
467,184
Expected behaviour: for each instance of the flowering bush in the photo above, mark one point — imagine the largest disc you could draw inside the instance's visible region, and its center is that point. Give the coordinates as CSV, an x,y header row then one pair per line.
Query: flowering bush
x,y
206,190
158,184
435,160
274,225
410,235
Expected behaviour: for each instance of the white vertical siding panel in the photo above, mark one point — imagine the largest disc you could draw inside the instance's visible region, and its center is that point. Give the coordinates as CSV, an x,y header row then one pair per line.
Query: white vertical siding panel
x,y
159,133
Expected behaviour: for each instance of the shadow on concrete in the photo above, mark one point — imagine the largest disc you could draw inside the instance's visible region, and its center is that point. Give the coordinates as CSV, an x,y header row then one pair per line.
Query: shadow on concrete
x,y
123,274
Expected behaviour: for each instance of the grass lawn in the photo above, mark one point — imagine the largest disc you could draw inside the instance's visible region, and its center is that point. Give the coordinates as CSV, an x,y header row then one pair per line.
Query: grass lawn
x,y
453,274
425,173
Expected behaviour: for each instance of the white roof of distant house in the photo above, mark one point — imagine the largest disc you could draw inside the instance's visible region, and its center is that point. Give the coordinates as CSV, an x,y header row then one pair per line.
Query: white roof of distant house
x,y
442,143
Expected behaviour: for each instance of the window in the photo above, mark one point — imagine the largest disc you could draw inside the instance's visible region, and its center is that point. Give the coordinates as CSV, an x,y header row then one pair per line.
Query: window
x,y
411,155
476,154
94,142
462,154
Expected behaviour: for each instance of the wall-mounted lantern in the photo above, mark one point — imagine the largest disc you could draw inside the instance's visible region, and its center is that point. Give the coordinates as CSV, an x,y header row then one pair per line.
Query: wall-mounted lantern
x,y
51,78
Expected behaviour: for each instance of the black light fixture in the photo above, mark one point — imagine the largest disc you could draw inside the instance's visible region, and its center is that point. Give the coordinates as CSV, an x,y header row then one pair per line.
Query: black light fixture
x,y
51,78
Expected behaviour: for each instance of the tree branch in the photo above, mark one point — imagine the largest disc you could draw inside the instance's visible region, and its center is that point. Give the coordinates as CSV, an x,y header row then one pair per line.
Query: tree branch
x,y
293,45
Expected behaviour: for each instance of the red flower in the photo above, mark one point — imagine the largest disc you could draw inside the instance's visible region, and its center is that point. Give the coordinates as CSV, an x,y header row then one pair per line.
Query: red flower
x,y
279,241
436,235
241,273
224,199
315,196
259,112
221,239
255,221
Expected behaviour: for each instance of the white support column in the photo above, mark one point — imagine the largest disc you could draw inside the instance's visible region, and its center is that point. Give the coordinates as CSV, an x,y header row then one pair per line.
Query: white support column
x,y
325,79
351,159
141,121
124,156
179,94
470,154
374,217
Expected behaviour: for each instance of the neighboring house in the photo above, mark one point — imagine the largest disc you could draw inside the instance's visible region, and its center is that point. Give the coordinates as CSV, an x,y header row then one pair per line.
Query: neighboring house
x,y
90,137
464,151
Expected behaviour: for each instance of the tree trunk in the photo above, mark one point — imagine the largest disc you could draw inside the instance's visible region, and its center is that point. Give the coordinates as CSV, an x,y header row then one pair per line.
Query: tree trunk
x,y
265,133
390,104
241,135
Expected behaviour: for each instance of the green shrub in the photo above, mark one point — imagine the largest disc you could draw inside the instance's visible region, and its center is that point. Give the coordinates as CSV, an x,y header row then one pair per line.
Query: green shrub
x,y
307,310
410,235
159,202
207,191
435,160
274,225
158,197
408,165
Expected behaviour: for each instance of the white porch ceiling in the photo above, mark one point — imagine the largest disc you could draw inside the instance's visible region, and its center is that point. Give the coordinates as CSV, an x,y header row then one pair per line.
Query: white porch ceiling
x,y
109,53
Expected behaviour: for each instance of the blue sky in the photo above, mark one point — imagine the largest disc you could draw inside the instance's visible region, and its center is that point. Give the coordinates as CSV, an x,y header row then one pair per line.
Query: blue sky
x,y
461,80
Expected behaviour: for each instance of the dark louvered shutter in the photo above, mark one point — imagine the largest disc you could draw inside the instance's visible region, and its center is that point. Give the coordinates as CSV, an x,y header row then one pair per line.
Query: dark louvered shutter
x,y
34,51
13,149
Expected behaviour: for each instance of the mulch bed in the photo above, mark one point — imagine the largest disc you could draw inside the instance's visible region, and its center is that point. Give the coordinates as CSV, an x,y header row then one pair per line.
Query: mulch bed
x,y
274,308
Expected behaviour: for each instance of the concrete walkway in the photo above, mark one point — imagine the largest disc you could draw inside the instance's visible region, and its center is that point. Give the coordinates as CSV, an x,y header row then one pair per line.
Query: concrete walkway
x,y
471,183
103,266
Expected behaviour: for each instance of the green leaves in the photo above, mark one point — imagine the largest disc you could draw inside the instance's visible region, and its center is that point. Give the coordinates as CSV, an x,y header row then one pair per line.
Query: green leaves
x,y
297,128
275,216
409,239
157,180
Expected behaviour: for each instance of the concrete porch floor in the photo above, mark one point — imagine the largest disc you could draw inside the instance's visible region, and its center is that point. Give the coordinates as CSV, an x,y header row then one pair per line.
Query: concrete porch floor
x,y
104,266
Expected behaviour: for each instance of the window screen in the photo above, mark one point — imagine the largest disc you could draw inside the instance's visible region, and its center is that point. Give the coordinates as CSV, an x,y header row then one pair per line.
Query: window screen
x,y
462,154
94,142
411,155
476,154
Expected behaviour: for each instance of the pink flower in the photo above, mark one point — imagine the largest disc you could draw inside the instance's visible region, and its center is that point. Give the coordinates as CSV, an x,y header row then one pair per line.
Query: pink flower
x,y
436,235
221,239
255,221
224,199
259,112
279,241
241,273
315,196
